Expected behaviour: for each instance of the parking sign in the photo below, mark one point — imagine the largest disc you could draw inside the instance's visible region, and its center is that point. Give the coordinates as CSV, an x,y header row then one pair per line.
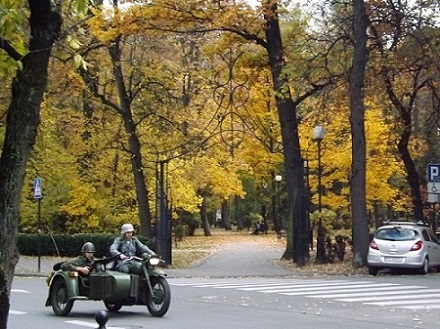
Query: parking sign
x,y
433,172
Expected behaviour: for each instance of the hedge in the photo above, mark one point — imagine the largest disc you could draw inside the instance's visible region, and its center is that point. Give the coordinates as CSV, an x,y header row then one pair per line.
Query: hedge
x,y
67,245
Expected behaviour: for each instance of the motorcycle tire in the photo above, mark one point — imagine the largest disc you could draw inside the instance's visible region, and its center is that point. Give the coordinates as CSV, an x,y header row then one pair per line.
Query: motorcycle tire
x,y
113,307
59,298
159,301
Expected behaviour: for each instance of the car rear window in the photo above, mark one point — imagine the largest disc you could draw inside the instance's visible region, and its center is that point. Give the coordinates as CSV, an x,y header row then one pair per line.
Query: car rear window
x,y
396,234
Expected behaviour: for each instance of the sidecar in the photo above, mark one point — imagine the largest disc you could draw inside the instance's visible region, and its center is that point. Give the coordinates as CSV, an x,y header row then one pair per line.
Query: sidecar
x,y
114,288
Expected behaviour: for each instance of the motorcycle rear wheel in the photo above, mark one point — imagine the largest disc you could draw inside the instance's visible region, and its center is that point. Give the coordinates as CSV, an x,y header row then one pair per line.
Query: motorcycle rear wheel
x,y
159,301
61,304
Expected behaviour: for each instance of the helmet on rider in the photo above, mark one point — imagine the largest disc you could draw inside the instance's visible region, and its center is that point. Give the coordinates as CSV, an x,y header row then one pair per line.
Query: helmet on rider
x,y
88,247
127,228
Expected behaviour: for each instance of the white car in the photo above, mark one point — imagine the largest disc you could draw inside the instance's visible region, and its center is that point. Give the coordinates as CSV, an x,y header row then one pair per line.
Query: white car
x,y
403,245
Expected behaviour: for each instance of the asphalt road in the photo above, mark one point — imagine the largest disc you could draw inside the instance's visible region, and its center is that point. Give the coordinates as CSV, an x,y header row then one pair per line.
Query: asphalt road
x,y
331,302
241,286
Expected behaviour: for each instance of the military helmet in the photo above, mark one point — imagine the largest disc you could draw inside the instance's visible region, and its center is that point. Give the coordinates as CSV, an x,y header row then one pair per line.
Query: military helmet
x,y
88,247
127,228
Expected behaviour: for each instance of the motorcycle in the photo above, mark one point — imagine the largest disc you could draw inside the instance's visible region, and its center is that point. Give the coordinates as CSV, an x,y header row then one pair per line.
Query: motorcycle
x,y
115,289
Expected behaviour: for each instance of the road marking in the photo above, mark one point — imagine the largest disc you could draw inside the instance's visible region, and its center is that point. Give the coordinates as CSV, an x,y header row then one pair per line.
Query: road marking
x,y
366,292
235,285
421,307
325,287
240,285
16,312
386,295
405,302
20,290
89,324
346,291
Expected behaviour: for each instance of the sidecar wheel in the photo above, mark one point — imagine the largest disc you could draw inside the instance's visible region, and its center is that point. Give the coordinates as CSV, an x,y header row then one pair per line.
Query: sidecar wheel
x,y
113,307
61,304
159,304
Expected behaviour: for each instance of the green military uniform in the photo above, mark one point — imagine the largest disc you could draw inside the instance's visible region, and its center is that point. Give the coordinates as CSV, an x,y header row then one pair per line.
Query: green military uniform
x,y
79,261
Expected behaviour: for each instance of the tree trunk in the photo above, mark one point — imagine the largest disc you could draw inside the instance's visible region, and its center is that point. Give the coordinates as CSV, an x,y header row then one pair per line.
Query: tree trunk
x,y
226,220
358,177
22,122
204,217
411,171
298,226
142,192
403,147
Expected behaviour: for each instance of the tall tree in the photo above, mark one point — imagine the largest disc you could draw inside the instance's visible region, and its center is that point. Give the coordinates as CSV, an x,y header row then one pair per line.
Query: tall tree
x,y
22,121
298,250
357,107
405,53
240,20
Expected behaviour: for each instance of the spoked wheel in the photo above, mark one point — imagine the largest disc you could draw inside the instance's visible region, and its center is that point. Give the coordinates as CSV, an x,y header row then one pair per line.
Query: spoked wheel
x,y
159,300
113,307
61,304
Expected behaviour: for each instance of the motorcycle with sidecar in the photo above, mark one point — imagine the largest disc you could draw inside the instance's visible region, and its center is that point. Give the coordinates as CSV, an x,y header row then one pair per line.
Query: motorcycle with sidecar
x,y
115,289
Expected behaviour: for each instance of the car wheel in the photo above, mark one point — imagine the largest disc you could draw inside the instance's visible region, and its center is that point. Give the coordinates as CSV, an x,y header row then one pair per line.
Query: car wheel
x,y
425,267
61,304
372,270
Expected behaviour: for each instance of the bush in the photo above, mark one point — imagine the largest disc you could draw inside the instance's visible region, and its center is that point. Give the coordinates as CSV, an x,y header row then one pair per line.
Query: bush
x,y
66,245
179,232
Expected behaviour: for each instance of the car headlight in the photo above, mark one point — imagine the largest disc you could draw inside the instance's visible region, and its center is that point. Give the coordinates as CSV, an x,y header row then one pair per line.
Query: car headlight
x,y
154,261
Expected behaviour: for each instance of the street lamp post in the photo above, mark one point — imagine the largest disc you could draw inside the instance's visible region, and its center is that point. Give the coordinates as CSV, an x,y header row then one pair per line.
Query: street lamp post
x,y
263,209
279,225
318,136
306,178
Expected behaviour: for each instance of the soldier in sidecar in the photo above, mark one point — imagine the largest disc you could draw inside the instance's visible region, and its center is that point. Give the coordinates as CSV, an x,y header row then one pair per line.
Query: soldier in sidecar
x,y
115,288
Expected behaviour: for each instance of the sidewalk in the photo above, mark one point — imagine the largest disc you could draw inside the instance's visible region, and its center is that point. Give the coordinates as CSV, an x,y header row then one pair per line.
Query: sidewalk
x,y
239,259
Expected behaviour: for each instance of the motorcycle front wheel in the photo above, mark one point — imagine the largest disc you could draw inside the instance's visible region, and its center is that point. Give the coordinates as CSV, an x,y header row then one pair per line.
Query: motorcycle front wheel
x,y
158,300
61,304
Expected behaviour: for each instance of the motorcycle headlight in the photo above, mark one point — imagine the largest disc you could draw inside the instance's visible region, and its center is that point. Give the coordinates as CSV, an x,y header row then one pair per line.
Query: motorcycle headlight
x,y
154,261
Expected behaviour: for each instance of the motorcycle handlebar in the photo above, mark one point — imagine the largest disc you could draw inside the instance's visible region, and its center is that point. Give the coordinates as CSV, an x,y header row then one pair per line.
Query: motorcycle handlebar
x,y
139,259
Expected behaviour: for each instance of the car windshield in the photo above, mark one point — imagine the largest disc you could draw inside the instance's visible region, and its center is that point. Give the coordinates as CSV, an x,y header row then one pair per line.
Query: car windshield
x,y
397,234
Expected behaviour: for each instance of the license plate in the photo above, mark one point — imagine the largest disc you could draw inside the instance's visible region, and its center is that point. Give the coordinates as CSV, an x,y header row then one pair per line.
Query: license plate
x,y
393,260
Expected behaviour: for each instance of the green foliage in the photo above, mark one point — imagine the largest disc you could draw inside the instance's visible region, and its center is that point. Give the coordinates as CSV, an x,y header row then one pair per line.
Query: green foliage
x,y
327,218
252,219
13,27
81,150
179,232
67,245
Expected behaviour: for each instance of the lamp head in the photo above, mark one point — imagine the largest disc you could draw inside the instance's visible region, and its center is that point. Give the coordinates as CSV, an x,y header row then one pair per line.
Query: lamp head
x,y
318,133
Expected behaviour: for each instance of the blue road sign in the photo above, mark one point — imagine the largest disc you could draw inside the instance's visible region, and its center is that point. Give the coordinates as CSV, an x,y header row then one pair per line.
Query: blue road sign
x,y
38,188
433,173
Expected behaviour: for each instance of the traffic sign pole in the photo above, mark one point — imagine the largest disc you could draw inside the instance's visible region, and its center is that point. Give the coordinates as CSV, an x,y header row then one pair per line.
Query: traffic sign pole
x,y
38,195
433,189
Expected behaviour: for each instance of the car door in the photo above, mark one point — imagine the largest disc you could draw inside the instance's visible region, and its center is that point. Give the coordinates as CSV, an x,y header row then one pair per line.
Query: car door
x,y
435,248
432,247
